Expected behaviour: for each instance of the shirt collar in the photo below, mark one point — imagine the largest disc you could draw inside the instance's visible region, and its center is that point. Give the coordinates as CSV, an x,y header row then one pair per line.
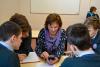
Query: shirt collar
x,y
95,35
81,53
6,45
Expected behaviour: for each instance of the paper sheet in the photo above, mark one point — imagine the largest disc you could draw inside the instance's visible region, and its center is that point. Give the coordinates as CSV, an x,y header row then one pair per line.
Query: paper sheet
x,y
44,65
32,57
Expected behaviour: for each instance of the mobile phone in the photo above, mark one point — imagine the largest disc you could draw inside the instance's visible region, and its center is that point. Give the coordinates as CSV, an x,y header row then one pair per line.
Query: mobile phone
x,y
51,58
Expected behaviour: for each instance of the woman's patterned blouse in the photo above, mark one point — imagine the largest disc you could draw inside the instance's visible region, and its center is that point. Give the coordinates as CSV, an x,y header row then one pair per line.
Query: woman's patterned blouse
x,y
58,51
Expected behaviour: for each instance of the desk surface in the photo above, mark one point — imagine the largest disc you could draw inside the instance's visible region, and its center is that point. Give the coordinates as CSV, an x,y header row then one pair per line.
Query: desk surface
x,y
35,64
35,33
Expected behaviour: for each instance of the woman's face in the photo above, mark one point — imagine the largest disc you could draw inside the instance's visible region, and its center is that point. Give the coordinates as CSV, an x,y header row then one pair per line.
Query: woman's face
x,y
92,31
94,10
53,28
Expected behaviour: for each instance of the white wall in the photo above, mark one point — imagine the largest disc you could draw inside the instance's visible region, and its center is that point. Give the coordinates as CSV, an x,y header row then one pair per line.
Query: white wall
x,y
57,6
37,20
7,9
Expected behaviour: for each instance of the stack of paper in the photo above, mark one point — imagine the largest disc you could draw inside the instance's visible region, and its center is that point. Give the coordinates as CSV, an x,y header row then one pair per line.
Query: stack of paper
x,y
32,57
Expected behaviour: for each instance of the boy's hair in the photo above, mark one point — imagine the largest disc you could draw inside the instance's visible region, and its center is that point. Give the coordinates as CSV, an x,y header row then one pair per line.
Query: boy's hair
x,y
92,21
8,29
79,36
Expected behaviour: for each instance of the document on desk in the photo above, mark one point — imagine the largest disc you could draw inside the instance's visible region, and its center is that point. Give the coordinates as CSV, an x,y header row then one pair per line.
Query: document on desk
x,y
32,57
44,65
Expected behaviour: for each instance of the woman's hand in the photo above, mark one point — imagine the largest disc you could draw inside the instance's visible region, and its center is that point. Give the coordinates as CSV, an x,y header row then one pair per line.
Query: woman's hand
x,y
52,61
45,55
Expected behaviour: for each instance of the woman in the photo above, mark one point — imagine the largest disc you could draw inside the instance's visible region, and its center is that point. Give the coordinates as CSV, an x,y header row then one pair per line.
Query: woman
x,y
92,12
51,39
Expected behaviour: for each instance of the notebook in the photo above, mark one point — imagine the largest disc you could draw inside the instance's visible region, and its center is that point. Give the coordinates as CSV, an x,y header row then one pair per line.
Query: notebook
x,y
32,57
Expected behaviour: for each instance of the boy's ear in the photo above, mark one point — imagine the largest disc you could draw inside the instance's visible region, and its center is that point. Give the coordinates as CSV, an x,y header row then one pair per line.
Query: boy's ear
x,y
13,38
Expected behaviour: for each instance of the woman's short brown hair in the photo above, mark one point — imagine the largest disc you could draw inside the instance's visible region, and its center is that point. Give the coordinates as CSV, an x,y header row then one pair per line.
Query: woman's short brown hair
x,y
93,8
52,18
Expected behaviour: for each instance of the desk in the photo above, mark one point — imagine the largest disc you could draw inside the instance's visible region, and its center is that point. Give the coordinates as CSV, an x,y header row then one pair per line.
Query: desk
x,y
36,63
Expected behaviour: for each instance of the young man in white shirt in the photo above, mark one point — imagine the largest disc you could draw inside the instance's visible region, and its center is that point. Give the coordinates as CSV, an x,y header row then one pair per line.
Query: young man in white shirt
x,y
10,39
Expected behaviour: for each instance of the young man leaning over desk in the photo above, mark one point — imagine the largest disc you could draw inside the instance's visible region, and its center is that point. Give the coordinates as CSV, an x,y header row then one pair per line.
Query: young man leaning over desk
x,y
80,44
10,39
